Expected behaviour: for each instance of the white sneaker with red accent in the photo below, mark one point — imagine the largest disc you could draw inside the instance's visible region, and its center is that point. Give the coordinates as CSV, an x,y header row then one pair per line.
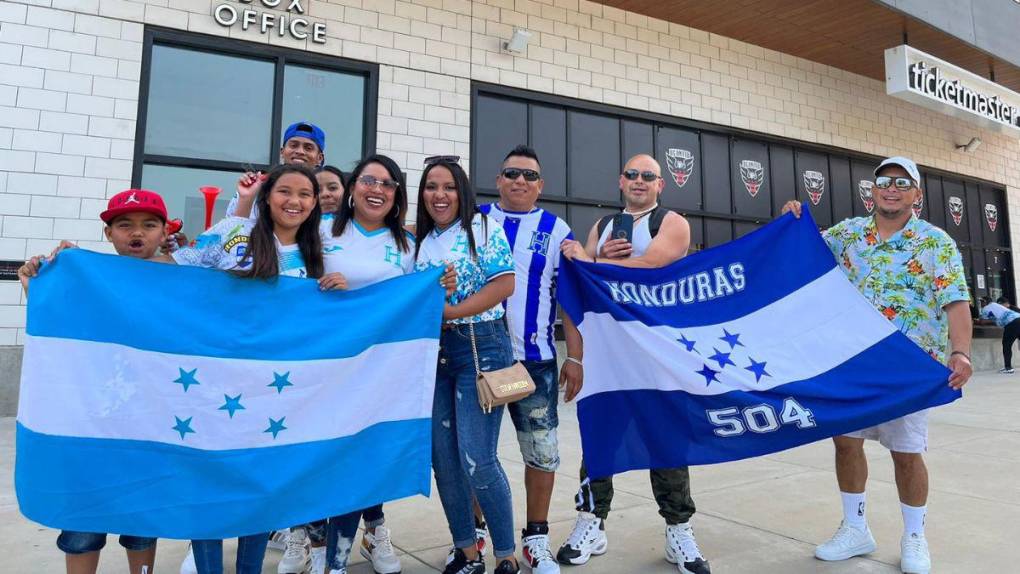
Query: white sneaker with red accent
x,y
537,554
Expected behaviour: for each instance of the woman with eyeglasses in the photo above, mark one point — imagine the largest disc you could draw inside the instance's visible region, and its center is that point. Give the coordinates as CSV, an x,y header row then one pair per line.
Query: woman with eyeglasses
x,y
464,437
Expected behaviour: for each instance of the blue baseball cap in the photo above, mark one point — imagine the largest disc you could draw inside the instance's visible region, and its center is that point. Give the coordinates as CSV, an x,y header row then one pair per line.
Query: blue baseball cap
x,y
306,130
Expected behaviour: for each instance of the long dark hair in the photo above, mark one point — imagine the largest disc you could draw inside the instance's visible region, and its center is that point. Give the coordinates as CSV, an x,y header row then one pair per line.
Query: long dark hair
x,y
335,171
465,202
394,220
262,250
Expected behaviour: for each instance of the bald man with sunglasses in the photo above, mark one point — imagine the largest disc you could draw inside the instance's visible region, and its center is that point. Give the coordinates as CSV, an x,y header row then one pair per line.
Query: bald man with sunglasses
x,y
659,237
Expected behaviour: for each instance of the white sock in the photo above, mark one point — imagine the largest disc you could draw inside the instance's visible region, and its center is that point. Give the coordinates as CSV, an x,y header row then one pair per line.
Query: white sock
x,y
913,519
853,509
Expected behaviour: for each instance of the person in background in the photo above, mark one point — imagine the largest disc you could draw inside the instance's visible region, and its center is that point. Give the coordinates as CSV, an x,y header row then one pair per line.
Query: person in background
x,y
136,226
331,191
1003,316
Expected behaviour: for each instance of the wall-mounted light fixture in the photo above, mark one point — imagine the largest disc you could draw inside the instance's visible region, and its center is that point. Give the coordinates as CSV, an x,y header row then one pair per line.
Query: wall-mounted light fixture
x,y
970,146
518,42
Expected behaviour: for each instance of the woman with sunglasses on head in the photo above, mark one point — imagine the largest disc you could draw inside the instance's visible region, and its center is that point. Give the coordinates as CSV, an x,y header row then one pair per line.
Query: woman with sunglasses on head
x,y
464,437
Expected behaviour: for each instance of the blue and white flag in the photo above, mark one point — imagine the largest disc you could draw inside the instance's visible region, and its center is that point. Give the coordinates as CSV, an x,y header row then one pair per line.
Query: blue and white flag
x,y
180,402
749,348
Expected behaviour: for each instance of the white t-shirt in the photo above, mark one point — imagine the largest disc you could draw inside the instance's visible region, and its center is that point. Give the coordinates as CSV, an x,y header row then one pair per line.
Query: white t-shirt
x,y
366,257
534,237
642,236
224,245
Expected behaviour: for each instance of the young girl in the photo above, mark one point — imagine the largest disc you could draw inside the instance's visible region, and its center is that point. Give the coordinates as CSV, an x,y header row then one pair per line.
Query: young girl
x,y
464,437
283,239
331,191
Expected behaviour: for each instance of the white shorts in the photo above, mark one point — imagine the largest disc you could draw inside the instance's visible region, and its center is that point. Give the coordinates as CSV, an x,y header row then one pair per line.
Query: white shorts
x,y
906,434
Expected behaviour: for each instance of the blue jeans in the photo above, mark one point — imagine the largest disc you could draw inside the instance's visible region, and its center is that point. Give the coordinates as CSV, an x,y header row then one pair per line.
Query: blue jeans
x,y
251,550
340,532
536,417
72,542
464,438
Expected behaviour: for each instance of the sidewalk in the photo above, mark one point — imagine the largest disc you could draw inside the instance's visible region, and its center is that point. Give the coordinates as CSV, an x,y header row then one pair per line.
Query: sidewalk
x,y
755,516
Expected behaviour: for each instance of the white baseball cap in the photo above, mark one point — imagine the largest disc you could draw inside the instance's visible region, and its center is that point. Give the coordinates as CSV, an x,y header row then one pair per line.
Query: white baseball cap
x,y
905,163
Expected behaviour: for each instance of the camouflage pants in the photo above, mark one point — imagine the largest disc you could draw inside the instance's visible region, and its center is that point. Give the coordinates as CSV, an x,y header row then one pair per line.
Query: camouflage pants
x,y
670,486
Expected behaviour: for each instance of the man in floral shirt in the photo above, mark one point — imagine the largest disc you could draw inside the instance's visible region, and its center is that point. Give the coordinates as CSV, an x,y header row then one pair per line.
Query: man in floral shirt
x,y
912,272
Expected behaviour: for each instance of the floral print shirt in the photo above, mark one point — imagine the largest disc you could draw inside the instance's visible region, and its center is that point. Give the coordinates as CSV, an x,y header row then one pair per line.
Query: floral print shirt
x,y
909,277
451,245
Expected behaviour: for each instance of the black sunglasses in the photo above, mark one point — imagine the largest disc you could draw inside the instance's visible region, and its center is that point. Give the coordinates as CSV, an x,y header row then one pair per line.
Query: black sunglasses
x,y
901,183
514,173
632,174
437,159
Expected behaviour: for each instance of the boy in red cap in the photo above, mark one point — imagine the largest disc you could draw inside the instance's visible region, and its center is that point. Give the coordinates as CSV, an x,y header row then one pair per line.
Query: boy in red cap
x,y
136,225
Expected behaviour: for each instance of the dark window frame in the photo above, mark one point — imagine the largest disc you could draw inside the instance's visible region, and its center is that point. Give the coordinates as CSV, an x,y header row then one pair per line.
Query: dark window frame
x,y
281,57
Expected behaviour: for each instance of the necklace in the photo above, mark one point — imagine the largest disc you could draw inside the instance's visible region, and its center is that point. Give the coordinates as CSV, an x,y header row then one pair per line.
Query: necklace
x,y
641,214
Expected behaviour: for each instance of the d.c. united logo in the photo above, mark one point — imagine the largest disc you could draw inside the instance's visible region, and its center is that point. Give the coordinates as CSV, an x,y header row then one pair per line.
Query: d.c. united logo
x,y
867,197
956,209
752,174
918,205
991,216
681,164
814,183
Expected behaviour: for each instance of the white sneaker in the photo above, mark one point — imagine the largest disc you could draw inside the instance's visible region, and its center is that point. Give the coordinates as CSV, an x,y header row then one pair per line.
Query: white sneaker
x,y
378,549
587,539
682,550
278,540
847,542
479,544
318,557
188,566
537,554
296,558
914,558
341,570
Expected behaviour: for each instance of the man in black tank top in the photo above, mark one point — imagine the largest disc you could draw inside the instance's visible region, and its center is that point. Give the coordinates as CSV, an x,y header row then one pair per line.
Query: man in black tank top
x,y
667,241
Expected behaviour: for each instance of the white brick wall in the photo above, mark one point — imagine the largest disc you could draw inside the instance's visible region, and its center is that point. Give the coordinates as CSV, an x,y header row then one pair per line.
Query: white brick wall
x,y
70,73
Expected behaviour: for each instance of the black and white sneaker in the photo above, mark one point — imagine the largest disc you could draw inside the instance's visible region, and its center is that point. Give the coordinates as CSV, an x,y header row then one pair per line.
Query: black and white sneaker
x,y
1006,371
461,565
682,550
507,567
587,539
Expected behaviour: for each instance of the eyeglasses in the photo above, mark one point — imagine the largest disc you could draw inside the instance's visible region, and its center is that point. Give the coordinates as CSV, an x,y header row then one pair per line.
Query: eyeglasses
x,y
903,184
633,174
385,184
514,173
437,159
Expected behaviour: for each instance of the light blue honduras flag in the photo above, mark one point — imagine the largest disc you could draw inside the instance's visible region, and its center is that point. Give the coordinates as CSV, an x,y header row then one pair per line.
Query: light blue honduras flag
x,y
180,402
752,347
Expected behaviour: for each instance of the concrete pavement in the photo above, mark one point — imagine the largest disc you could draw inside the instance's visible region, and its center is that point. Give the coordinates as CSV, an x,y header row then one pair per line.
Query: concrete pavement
x,y
759,515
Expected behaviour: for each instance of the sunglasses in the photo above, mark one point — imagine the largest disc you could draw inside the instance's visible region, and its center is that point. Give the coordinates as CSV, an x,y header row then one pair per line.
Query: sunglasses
x,y
514,173
633,174
437,159
385,184
901,183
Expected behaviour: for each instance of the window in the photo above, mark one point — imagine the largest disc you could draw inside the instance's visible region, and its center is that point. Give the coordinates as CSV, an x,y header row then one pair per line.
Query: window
x,y
211,108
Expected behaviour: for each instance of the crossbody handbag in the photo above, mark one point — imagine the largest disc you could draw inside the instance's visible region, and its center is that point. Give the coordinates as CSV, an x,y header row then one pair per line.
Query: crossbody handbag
x,y
502,386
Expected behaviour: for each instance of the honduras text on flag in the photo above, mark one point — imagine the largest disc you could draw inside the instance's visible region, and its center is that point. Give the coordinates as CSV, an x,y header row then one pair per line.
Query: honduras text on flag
x,y
753,347
180,402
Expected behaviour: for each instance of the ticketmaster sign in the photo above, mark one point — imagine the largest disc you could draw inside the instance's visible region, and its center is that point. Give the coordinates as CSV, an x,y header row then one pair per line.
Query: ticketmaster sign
x,y
938,85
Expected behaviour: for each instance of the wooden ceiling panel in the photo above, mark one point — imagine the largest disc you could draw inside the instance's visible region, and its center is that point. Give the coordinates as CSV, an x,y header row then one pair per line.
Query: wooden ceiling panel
x,y
848,34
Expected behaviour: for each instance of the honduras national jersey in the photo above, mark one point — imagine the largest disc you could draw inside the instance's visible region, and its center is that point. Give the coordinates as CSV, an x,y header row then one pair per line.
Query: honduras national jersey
x,y
534,239
366,257
224,245
451,245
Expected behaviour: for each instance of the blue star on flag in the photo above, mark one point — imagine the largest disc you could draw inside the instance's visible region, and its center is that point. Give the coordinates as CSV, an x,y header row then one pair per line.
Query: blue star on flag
x,y
758,369
232,404
722,358
709,373
183,426
732,338
280,381
276,426
683,340
187,378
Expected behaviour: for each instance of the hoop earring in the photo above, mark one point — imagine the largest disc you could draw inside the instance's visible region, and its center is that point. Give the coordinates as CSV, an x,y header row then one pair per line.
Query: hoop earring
x,y
350,200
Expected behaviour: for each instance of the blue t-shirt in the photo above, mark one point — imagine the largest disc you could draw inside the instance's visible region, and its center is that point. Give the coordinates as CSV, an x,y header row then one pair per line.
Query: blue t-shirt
x,y
450,245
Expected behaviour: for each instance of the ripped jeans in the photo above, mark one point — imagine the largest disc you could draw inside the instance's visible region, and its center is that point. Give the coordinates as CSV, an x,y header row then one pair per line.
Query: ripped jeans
x,y
536,417
464,438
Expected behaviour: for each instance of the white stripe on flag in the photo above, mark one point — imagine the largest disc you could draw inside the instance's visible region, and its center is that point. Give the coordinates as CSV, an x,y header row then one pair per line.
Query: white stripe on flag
x,y
131,393
794,344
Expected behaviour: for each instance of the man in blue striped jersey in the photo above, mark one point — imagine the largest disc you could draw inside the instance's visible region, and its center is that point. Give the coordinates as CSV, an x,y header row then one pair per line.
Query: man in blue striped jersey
x,y
535,236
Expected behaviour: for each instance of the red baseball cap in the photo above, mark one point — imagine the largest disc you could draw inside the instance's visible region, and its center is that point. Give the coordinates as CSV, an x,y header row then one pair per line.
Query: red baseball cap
x,y
134,200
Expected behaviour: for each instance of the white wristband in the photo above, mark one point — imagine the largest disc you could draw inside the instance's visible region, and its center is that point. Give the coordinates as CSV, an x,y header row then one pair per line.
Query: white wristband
x,y
573,360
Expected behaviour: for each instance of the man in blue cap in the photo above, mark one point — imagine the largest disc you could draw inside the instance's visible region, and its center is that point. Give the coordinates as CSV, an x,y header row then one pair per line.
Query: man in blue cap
x,y
303,143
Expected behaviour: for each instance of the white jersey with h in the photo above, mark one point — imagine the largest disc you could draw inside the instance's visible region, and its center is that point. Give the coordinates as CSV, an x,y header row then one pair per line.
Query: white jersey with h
x,y
366,257
534,239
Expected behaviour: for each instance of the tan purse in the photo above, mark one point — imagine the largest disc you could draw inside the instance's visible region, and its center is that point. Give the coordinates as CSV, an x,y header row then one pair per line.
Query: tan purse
x,y
502,386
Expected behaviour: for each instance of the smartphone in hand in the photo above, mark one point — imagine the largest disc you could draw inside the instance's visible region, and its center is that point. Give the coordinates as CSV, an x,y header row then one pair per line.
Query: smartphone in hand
x,y
623,227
